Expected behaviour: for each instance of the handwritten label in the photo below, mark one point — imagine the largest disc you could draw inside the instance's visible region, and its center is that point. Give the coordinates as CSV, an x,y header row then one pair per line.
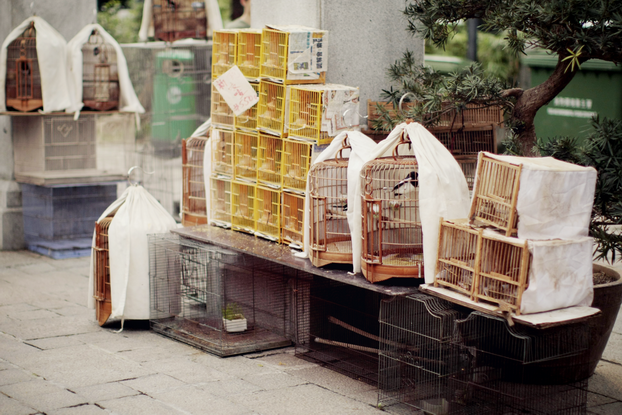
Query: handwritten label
x,y
236,90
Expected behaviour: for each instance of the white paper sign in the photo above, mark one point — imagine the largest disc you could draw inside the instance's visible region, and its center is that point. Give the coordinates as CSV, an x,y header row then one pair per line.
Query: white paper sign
x,y
237,92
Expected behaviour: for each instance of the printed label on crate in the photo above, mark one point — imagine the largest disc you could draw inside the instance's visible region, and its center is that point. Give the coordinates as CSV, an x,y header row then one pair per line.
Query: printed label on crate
x,y
342,110
307,53
235,89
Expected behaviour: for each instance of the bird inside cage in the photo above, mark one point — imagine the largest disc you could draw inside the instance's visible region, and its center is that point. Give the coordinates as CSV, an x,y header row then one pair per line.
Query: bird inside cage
x,y
23,78
100,77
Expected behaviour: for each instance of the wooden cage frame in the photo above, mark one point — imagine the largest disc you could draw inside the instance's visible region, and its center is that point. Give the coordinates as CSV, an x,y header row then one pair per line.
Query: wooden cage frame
x,y
194,207
292,218
179,21
101,271
23,75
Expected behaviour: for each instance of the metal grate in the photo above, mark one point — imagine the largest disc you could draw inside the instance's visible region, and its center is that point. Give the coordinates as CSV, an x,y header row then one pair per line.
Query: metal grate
x,y
194,209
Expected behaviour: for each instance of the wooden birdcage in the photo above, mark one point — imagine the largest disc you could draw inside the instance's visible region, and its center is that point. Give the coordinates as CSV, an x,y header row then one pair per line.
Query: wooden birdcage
x,y
23,77
248,119
100,76
495,194
468,164
222,152
275,56
391,231
245,166
268,213
292,214
330,239
249,52
101,271
467,140
222,114
194,208
220,202
179,19
243,207
296,163
269,157
271,108
224,51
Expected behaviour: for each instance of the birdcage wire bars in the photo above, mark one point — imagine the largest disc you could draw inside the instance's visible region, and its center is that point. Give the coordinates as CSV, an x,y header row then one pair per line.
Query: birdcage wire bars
x,y
249,53
296,162
220,202
268,213
100,76
271,108
243,207
292,213
222,152
245,166
101,271
194,207
179,19
23,76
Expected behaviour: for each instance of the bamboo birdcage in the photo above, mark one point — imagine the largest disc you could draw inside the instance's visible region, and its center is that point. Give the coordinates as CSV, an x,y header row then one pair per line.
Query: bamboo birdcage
x,y
220,201
330,240
224,51
292,214
179,19
222,115
468,164
296,163
243,207
268,213
23,77
249,52
245,151
271,108
194,208
391,229
467,140
100,76
495,195
101,271
222,152
248,119
269,158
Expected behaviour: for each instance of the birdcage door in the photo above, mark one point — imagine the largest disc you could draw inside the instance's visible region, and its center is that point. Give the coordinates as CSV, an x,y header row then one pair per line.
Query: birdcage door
x,y
372,235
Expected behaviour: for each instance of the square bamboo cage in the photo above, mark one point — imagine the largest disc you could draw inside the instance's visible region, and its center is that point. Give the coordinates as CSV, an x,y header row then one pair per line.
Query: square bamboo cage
x,y
474,115
268,213
468,164
222,151
269,160
100,76
391,229
180,19
275,55
224,51
245,151
194,207
271,108
316,112
248,119
495,195
220,202
296,162
330,239
467,140
249,53
292,214
23,76
373,113
101,271
222,114
243,207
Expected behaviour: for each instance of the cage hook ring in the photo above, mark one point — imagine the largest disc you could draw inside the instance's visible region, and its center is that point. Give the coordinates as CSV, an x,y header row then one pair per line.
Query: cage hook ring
x,y
129,172
402,100
343,116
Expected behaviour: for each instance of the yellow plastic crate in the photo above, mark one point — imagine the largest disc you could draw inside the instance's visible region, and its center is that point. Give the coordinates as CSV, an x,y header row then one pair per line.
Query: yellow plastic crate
x,y
222,152
248,119
249,52
296,163
222,114
224,49
243,206
271,108
245,166
220,201
268,213
292,218
269,155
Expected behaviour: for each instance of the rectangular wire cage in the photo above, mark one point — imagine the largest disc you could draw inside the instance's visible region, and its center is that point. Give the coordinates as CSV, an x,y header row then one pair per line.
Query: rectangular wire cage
x,y
220,201
292,223
269,160
23,76
271,108
391,229
194,207
268,213
101,271
218,300
330,240
224,51
467,140
248,119
222,114
495,194
179,19
245,151
249,53
222,151
243,207
296,162
100,76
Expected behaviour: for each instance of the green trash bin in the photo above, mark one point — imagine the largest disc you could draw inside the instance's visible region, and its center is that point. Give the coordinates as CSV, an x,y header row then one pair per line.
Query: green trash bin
x,y
596,89
445,64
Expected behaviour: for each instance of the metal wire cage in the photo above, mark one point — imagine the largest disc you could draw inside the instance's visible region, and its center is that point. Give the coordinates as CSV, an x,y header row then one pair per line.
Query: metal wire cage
x,y
179,19
271,108
23,77
249,52
101,271
222,114
222,152
194,207
330,240
245,166
243,207
269,158
100,76
224,51
248,119
268,213
292,212
296,163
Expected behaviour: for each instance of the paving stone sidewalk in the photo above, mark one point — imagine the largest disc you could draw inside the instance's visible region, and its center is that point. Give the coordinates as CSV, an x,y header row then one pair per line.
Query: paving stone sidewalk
x,y
56,360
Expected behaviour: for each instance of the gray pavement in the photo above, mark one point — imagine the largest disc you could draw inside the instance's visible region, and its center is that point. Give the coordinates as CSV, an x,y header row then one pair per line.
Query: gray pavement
x,y
56,360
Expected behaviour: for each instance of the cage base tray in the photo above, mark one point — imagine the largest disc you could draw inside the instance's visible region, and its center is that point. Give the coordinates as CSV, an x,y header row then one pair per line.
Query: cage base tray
x,y
537,320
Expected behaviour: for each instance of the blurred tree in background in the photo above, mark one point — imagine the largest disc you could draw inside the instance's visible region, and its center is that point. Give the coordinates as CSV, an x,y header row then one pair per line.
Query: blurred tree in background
x,y
121,18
